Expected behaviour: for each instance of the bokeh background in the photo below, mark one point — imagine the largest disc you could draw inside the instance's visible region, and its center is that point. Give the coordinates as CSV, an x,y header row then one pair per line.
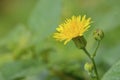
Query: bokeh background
x,y
29,52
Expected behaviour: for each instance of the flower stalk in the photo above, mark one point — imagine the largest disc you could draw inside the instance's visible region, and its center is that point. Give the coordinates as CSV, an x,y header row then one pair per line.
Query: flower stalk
x,y
93,61
95,52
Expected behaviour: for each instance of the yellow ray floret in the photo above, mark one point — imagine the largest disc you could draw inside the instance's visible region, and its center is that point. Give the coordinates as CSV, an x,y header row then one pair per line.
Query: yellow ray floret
x,y
72,28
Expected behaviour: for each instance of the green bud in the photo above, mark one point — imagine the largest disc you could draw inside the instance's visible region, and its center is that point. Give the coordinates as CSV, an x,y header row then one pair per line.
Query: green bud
x,y
98,35
80,42
88,67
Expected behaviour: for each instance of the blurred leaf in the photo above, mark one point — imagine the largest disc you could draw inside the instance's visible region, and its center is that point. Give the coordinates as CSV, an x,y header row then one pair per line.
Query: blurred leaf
x,y
109,56
45,18
113,73
21,69
19,36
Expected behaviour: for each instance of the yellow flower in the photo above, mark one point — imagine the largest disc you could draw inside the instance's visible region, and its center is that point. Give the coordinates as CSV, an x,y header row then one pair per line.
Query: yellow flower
x,y
72,28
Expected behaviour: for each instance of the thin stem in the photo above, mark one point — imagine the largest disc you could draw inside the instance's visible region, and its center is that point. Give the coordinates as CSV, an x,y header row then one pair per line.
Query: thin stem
x,y
95,68
94,54
87,53
93,61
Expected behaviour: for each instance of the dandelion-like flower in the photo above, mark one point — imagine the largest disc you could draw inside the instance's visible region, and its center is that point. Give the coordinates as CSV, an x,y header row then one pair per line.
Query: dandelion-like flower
x,y
72,28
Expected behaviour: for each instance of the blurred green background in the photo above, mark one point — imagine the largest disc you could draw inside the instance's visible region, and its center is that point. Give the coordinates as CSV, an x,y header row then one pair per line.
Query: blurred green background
x,y
29,52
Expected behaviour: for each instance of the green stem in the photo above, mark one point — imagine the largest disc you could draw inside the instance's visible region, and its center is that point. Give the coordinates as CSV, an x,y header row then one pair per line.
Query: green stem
x,y
94,54
93,61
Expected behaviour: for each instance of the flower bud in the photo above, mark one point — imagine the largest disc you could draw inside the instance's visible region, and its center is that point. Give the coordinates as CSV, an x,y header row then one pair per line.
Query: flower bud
x,y
88,67
98,35
80,42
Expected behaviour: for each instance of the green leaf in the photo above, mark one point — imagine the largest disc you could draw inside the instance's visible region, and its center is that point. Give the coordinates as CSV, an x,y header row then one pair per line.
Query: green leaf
x,y
113,73
21,69
45,18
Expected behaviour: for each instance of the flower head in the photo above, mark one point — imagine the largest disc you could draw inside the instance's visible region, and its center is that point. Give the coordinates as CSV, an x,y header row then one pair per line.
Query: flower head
x,y
74,27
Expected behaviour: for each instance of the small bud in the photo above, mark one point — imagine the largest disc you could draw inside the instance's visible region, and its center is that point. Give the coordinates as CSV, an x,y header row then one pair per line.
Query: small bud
x,y
98,35
80,42
88,67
